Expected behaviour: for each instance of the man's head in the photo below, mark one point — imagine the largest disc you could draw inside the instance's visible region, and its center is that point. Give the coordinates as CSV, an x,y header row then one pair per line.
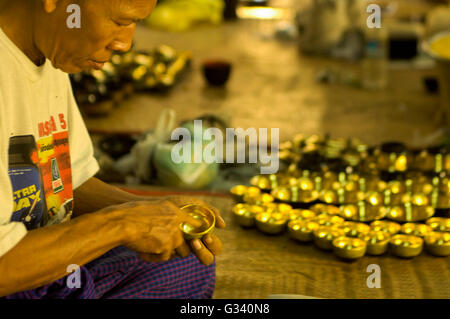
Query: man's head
x,y
106,26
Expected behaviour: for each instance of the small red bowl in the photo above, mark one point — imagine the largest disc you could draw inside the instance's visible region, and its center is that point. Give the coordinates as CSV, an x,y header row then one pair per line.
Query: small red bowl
x,y
217,72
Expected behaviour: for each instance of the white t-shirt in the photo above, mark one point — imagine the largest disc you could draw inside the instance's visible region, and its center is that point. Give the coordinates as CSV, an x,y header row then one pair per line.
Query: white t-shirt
x,y
39,119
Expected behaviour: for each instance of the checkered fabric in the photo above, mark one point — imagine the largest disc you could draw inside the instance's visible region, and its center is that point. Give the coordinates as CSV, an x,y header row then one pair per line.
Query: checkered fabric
x,y
121,274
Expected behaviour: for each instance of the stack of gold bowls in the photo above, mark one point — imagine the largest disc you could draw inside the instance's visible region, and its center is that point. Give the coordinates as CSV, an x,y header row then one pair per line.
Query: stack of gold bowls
x,y
352,199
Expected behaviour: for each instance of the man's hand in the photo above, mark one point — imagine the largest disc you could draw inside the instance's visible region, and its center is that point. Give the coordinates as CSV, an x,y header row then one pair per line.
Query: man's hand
x,y
209,246
95,195
152,227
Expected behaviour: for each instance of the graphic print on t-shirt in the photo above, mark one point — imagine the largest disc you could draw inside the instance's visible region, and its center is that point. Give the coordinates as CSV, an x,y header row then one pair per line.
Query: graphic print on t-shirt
x,y
41,178
26,180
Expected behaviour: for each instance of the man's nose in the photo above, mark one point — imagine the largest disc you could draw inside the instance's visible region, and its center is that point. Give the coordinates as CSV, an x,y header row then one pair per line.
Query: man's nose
x,y
123,42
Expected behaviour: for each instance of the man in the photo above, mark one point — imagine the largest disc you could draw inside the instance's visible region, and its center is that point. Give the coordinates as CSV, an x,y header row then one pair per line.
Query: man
x,y
54,213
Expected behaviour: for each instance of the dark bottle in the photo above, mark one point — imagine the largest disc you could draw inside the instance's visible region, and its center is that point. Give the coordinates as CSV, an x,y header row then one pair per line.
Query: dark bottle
x,y
229,12
26,180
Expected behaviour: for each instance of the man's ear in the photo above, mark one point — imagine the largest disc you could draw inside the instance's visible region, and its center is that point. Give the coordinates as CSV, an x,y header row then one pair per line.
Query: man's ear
x,y
49,5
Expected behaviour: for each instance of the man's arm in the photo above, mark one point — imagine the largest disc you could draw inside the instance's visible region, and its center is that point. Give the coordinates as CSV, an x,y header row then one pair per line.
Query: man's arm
x,y
95,194
43,255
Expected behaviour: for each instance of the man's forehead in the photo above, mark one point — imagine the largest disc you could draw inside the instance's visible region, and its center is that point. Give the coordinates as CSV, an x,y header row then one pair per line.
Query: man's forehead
x,y
132,9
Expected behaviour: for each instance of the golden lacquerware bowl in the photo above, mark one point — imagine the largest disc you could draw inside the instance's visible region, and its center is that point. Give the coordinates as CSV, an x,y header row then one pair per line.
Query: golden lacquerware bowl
x,y
295,195
438,243
244,214
354,229
323,236
201,213
441,224
261,181
415,229
410,212
372,183
238,192
271,223
349,248
342,195
394,193
424,161
259,199
328,220
393,157
301,214
325,209
328,179
377,242
363,212
406,246
302,230
389,227
375,198
418,183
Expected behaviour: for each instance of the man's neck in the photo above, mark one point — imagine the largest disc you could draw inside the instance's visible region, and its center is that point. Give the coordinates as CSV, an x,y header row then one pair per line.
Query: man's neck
x,y
16,21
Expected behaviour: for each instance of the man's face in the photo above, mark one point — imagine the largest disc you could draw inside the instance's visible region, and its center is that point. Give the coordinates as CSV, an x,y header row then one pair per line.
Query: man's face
x,y
106,26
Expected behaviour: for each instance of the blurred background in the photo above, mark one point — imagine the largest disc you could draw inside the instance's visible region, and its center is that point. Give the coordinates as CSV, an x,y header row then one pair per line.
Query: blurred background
x,y
305,67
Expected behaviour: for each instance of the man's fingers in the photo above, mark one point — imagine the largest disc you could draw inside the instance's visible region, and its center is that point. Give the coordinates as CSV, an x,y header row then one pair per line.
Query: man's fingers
x,y
202,253
184,250
213,244
166,256
220,222
188,219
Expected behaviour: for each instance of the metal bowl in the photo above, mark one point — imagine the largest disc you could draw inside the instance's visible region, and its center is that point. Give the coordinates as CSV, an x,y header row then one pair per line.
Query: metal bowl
x,y
427,46
377,242
259,199
294,195
440,224
394,193
262,182
393,157
363,212
389,227
325,209
271,223
349,248
328,220
342,195
244,214
406,246
354,229
201,213
438,243
323,236
301,214
302,230
372,183
420,230
410,212
238,192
